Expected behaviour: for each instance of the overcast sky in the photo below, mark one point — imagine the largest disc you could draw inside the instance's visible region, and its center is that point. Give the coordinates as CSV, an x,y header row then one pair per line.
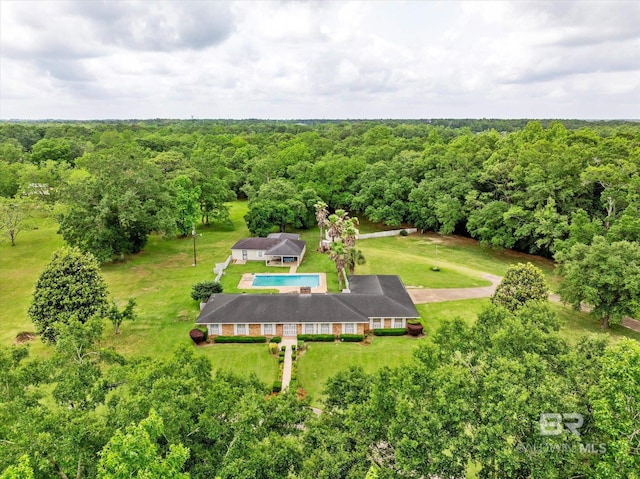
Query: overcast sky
x,y
296,60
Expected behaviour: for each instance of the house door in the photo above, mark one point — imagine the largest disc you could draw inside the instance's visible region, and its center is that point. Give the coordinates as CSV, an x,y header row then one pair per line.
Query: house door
x,y
289,330
244,254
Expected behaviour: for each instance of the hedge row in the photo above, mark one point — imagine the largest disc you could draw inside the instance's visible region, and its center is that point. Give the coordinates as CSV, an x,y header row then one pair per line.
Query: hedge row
x,y
276,339
351,338
316,337
240,339
390,332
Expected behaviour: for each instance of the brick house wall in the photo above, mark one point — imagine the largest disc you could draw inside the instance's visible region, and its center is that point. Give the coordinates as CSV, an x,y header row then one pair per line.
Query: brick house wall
x,y
255,330
227,330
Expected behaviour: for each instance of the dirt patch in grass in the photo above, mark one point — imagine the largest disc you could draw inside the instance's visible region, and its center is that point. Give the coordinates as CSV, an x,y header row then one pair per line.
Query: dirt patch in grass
x,y
25,337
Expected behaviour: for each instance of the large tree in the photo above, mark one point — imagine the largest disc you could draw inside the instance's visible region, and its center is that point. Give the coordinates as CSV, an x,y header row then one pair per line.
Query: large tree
x,y
134,453
13,217
604,277
113,202
521,283
69,289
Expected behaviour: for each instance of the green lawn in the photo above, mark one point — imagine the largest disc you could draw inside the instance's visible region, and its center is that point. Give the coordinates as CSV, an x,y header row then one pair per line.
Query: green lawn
x,y
243,359
320,361
160,278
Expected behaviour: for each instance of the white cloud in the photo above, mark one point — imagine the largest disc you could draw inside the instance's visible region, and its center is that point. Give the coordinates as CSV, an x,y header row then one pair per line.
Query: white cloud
x,y
319,59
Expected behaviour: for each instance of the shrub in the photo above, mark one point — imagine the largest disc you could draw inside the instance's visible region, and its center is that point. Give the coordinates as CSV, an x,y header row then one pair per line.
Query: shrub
x,y
241,339
403,233
276,340
203,290
197,336
390,332
316,337
413,321
281,354
300,344
351,338
281,359
273,347
293,347
283,348
277,386
293,356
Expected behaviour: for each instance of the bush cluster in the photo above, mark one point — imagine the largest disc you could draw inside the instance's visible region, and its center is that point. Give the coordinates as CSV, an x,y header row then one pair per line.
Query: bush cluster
x,y
203,290
273,348
316,337
351,338
241,339
276,339
277,386
403,233
390,332
197,336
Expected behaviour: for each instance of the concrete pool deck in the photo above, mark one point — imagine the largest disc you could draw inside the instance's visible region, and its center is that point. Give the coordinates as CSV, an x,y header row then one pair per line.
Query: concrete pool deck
x,y
246,282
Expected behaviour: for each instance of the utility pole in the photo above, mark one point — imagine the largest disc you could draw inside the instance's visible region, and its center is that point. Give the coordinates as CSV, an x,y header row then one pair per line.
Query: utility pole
x,y
193,233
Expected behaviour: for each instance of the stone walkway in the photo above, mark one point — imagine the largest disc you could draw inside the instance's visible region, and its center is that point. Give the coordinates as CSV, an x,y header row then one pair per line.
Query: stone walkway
x,y
288,362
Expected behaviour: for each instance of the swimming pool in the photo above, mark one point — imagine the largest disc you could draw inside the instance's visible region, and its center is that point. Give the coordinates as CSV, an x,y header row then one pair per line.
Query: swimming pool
x,y
311,280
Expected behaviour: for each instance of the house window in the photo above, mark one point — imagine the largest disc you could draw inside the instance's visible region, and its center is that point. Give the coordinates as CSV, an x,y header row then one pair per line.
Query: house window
x,y
309,329
244,254
260,254
215,329
268,329
377,323
349,328
397,323
241,329
325,328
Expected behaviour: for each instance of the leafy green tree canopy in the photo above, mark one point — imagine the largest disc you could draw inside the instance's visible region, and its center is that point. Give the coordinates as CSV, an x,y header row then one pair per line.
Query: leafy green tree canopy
x,y
134,454
521,283
70,288
603,276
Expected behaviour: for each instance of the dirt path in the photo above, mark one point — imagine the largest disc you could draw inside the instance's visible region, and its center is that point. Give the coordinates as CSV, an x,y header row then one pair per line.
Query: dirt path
x,y
424,295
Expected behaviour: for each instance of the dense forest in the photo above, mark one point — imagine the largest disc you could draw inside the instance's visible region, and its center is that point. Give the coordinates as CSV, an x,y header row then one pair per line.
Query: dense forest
x,y
470,401
537,187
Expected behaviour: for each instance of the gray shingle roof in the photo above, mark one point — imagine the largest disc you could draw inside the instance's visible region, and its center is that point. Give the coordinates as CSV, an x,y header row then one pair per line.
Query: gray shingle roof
x,y
371,296
291,246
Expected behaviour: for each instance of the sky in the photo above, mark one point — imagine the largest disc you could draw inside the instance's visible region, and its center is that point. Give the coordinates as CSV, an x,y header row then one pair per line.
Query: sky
x,y
83,60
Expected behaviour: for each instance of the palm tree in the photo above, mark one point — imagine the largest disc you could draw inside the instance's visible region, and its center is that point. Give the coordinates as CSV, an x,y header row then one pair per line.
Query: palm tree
x,y
321,217
354,257
338,254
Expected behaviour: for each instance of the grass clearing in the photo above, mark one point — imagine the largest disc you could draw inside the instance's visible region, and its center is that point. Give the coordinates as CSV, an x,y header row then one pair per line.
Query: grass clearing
x,y
320,361
242,359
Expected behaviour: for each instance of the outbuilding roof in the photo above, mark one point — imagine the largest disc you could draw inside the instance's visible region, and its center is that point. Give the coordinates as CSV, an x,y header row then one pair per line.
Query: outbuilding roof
x,y
273,246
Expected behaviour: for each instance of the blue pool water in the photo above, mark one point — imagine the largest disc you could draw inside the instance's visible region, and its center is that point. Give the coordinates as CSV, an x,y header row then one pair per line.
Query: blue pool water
x,y
312,280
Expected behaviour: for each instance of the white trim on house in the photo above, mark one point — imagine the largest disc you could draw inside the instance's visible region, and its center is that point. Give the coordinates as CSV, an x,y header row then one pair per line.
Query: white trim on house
x,y
272,329
241,329
349,328
286,329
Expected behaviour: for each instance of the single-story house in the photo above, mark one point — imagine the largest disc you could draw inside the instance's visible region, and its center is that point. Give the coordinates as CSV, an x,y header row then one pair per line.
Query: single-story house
x,y
277,249
374,301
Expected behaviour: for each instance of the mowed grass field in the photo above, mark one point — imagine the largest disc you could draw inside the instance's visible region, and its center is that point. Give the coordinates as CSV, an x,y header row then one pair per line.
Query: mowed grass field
x,y
160,279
